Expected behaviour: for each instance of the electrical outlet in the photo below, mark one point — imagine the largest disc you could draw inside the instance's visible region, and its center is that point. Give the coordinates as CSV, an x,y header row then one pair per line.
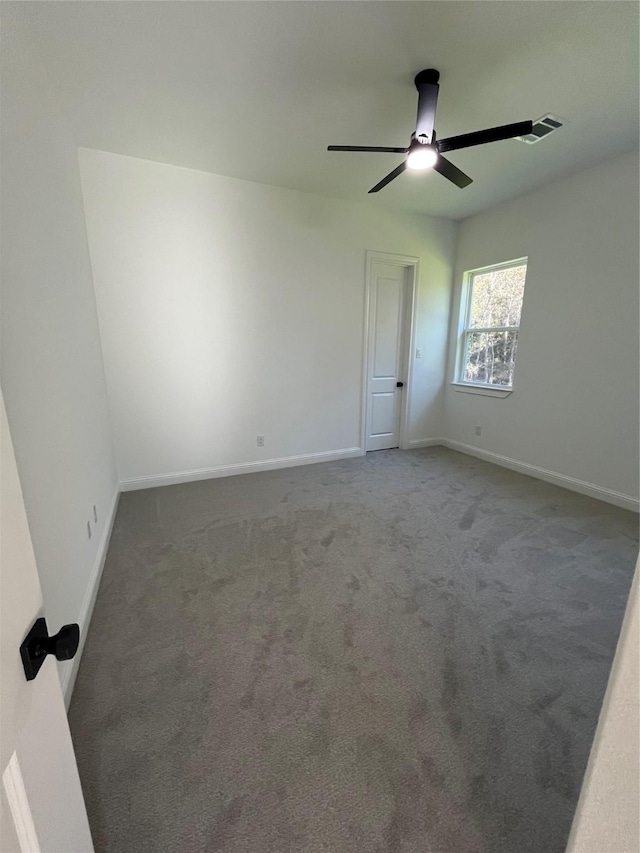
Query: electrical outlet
x,y
419,352
95,514
89,529
260,441
478,430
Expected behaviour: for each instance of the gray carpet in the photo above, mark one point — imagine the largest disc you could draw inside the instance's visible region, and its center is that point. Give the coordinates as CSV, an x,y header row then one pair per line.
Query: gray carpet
x,y
405,652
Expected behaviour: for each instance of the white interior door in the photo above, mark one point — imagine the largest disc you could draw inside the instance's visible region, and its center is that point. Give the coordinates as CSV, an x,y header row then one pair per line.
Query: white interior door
x,y
42,808
387,362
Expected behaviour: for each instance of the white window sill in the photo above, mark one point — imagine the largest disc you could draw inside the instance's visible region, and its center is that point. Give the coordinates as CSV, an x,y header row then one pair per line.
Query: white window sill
x,y
485,390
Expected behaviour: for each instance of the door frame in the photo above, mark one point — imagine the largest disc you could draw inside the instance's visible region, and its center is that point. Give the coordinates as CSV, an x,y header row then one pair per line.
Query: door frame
x,y
413,265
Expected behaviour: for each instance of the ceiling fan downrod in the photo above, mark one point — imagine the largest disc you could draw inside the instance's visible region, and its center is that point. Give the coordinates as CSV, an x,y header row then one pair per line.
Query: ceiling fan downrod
x,y
427,86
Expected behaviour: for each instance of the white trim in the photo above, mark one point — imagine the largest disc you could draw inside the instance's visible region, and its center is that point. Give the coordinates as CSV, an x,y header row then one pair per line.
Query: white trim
x,y
503,265
365,356
581,486
485,390
70,670
493,328
19,807
416,443
410,344
413,264
240,468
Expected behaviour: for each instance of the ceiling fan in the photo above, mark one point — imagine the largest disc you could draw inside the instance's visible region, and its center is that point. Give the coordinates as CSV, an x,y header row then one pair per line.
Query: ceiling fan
x,y
425,151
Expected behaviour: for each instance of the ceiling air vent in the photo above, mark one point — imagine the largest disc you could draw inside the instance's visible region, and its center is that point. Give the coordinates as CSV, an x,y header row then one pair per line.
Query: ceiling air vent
x,y
542,127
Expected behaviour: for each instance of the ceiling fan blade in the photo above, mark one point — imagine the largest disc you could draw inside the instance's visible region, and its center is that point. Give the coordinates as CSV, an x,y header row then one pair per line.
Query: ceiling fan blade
x,y
366,148
390,177
480,137
445,168
427,85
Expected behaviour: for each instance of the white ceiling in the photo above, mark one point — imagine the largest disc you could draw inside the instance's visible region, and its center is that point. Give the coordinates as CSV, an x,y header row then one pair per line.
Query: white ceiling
x,y
257,90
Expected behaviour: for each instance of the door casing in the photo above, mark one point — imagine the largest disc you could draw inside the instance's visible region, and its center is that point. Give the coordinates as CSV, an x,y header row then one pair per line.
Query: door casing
x,y
412,264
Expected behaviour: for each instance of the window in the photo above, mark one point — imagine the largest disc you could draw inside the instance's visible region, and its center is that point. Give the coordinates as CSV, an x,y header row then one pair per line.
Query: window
x,y
491,323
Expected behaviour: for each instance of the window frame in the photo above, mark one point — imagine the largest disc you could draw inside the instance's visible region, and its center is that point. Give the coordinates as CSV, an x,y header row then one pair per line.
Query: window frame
x,y
464,328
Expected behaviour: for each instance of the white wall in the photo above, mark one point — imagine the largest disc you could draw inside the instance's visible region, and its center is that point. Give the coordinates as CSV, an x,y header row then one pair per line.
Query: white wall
x,y
230,309
607,819
574,410
52,371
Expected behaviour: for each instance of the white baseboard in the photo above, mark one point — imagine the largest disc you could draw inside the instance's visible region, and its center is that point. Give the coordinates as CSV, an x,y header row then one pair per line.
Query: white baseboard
x,y
415,443
240,468
70,671
580,486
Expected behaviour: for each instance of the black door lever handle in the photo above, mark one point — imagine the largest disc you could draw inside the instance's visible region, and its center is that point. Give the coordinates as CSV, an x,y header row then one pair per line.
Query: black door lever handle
x,y
38,644
399,384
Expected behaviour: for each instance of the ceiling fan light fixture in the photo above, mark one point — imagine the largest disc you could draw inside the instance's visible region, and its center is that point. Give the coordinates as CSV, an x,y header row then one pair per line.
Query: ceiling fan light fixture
x,y
422,157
